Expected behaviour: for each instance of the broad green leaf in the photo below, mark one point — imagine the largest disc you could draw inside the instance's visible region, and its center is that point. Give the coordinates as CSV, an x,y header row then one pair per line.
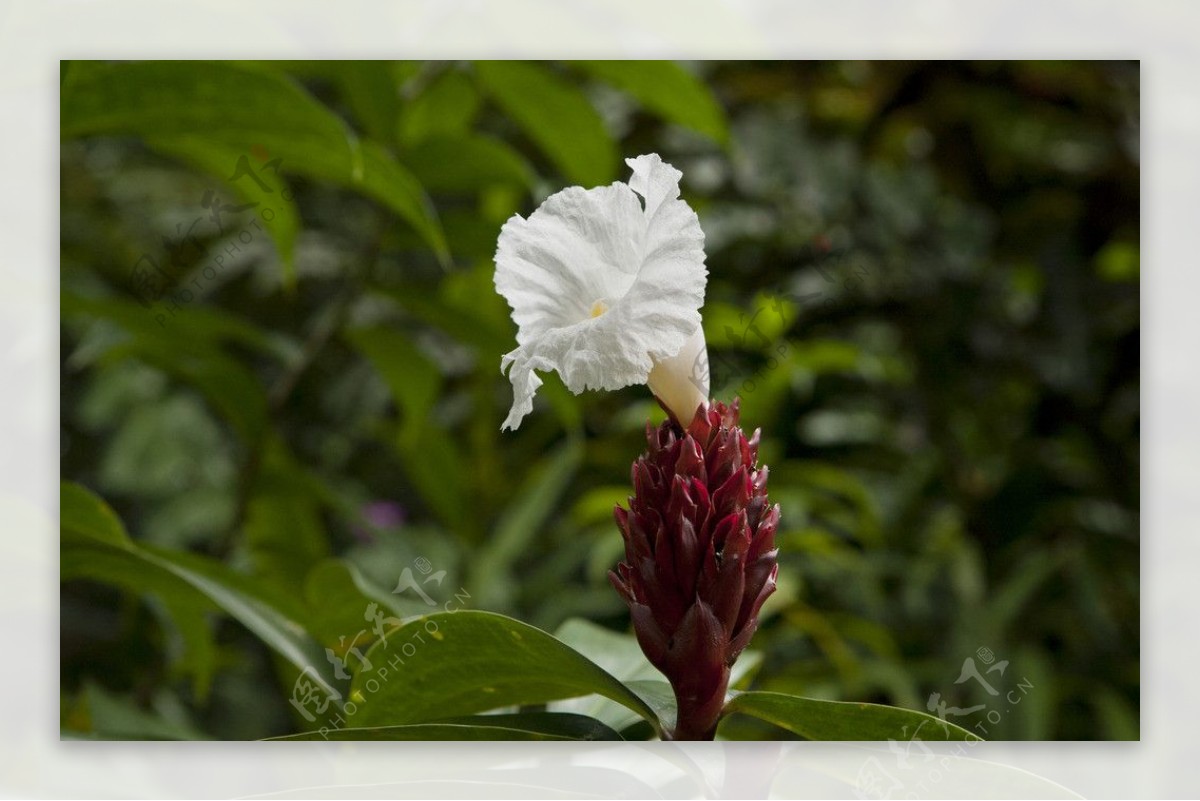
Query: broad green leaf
x,y
621,656
226,101
367,168
447,106
554,114
186,608
89,551
617,653
659,695
814,719
466,163
667,89
249,110
84,516
195,651
339,597
372,90
393,185
522,726
461,663
273,617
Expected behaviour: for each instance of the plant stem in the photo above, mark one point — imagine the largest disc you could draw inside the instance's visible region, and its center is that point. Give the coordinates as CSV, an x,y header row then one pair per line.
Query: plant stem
x,y
697,718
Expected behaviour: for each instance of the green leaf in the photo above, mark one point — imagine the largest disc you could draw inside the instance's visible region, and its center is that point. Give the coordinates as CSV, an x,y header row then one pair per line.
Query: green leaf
x,y
522,726
85,517
621,656
372,90
272,617
394,186
89,550
555,115
85,514
667,89
185,608
814,719
195,651
461,663
659,695
273,209
447,106
338,597
249,110
466,163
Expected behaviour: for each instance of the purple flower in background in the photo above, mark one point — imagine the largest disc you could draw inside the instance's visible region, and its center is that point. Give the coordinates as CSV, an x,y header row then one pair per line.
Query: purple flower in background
x,y
378,515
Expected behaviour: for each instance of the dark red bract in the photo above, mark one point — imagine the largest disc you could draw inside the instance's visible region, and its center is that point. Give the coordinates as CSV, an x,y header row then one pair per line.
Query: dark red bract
x,y
699,556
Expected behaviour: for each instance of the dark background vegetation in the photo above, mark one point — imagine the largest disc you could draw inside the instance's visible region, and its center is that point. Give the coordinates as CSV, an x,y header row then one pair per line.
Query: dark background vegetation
x,y
923,286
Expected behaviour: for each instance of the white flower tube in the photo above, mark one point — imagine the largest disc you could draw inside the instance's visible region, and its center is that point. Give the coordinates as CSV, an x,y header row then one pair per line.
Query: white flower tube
x,y
606,288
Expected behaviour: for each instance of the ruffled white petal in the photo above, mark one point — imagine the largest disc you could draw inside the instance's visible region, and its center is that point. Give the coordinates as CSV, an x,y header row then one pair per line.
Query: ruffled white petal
x,y
603,285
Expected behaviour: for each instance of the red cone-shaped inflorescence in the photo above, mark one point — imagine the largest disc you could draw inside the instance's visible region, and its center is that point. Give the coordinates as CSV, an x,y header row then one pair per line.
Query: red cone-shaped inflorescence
x,y
699,556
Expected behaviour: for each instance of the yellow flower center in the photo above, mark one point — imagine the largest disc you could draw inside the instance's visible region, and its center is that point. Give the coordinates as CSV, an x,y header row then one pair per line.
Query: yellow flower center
x,y
598,308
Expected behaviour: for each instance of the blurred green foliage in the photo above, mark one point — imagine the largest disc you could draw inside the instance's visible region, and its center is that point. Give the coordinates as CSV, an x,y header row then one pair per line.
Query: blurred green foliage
x,y
281,346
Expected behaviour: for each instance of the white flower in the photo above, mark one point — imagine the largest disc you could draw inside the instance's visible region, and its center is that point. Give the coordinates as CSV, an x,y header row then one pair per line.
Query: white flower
x,y
606,287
